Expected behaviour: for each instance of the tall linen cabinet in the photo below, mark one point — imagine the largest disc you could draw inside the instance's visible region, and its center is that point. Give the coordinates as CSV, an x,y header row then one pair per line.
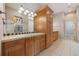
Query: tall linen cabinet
x,y
43,23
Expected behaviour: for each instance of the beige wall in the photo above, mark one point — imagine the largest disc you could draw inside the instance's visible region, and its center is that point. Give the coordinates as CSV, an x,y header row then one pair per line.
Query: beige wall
x,y
12,12
58,22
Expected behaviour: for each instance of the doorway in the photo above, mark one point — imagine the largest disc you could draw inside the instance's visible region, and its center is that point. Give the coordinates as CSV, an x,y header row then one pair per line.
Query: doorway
x,y
70,26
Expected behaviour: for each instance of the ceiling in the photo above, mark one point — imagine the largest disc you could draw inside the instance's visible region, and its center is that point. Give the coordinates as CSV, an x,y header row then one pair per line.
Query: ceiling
x,y
56,7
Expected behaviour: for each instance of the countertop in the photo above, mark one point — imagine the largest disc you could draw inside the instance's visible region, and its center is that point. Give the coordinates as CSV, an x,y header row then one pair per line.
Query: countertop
x,y
16,37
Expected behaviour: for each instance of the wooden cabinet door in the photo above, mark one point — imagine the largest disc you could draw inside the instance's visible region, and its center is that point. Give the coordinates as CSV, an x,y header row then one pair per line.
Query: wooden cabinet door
x,y
42,42
13,48
29,51
42,24
48,40
15,51
29,47
37,44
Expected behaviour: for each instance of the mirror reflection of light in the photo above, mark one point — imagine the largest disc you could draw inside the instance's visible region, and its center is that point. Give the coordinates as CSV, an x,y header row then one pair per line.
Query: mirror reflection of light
x,y
21,8
35,14
25,13
31,13
20,11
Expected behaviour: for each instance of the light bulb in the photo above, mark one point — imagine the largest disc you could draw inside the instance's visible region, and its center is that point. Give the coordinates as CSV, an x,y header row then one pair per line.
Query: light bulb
x,y
31,13
35,14
19,11
21,8
27,11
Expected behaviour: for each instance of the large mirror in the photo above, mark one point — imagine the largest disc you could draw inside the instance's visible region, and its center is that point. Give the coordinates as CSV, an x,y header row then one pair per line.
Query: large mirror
x,y
14,22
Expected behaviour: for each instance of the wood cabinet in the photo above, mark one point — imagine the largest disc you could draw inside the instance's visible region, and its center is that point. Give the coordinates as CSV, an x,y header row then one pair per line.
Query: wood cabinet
x,y
13,48
55,35
43,22
24,47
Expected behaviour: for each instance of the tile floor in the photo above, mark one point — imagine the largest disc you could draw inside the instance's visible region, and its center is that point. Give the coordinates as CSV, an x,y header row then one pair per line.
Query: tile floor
x,y
62,47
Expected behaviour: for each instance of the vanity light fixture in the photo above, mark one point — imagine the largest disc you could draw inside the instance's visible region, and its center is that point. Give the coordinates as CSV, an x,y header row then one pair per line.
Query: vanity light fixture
x,y
26,12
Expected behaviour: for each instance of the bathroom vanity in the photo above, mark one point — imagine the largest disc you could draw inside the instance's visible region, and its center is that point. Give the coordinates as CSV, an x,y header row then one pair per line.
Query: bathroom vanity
x,y
23,45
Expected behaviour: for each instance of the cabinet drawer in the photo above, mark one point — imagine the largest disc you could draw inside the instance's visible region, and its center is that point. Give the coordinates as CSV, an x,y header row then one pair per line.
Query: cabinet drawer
x,y
13,43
